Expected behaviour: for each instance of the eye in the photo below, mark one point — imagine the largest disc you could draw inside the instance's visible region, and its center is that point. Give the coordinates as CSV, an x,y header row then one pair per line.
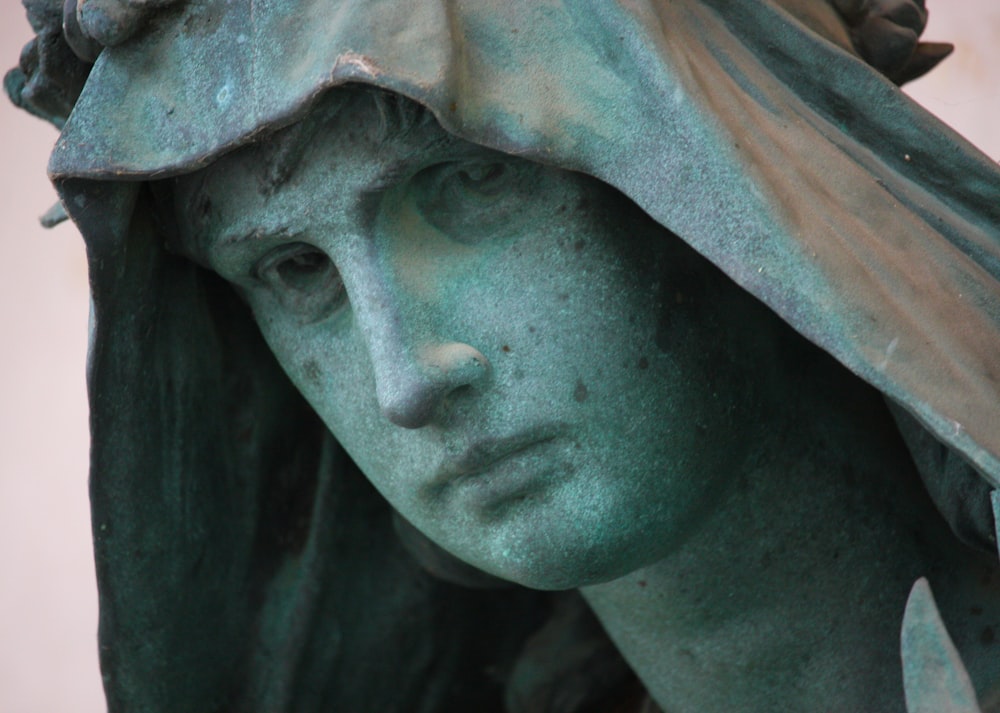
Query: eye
x,y
471,200
481,180
304,279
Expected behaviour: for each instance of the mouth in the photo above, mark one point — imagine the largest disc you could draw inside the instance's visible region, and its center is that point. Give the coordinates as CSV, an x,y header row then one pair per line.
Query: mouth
x,y
494,459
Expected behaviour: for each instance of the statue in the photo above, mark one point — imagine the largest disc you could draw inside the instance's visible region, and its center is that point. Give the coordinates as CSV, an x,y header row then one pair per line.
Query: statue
x,y
665,331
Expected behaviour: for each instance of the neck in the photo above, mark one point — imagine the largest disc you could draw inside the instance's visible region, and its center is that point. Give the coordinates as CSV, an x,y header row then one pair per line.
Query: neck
x,y
789,596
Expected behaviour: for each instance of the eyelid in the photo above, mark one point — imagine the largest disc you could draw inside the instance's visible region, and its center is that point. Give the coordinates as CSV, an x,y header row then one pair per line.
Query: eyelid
x,y
279,254
448,149
413,167
303,279
451,199
254,234
229,255
272,257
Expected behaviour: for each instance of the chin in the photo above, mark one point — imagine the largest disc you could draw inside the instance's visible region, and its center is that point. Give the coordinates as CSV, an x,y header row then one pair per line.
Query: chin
x,y
546,561
572,536
562,575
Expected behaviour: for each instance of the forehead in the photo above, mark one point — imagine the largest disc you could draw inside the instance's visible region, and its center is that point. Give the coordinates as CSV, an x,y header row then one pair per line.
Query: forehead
x,y
360,140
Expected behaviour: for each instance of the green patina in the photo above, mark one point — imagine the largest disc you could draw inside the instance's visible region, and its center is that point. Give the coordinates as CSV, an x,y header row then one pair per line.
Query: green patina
x,y
604,299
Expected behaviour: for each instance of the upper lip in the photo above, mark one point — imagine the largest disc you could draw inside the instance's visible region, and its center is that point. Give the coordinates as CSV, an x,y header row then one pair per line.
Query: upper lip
x,y
486,452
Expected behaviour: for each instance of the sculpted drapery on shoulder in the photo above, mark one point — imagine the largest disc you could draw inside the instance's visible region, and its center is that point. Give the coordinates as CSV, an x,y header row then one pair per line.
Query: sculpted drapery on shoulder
x,y
478,262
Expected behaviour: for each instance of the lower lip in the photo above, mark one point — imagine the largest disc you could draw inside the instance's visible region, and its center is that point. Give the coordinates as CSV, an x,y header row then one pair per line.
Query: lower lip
x,y
510,480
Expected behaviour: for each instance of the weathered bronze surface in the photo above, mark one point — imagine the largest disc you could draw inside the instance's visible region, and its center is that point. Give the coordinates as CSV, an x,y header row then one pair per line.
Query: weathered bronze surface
x,y
674,312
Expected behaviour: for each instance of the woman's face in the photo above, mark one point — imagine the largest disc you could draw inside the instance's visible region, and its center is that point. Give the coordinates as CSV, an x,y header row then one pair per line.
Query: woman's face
x,y
512,353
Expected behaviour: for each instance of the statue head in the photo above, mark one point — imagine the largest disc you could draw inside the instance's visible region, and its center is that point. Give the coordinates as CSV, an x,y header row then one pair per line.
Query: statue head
x,y
533,266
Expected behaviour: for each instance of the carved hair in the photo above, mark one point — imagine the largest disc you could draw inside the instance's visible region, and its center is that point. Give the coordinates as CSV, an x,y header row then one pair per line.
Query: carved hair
x,y
397,117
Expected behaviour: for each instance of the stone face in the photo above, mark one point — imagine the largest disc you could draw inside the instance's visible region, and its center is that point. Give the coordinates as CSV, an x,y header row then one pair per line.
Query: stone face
x,y
390,309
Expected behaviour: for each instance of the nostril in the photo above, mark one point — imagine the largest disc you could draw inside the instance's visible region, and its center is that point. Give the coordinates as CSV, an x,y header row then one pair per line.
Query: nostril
x,y
408,415
457,364
459,392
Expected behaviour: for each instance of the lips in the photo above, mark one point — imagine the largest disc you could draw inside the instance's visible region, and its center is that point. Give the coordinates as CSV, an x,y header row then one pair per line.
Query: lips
x,y
486,454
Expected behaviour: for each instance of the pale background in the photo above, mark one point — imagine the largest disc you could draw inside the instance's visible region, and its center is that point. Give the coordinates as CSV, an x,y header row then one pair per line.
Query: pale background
x,y
48,602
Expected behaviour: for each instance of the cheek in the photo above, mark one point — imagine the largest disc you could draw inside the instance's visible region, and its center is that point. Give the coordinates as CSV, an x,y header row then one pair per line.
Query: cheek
x,y
330,370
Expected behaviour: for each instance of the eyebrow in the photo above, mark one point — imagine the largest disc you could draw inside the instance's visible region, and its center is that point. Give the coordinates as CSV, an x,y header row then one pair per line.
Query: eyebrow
x,y
390,177
439,143
427,152
255,234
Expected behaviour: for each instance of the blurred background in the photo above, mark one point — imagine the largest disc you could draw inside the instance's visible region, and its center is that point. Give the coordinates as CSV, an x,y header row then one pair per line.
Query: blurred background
x,y
48,599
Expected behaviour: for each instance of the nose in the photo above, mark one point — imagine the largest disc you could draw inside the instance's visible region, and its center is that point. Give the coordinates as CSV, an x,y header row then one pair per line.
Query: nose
x,y
410,387
414,369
